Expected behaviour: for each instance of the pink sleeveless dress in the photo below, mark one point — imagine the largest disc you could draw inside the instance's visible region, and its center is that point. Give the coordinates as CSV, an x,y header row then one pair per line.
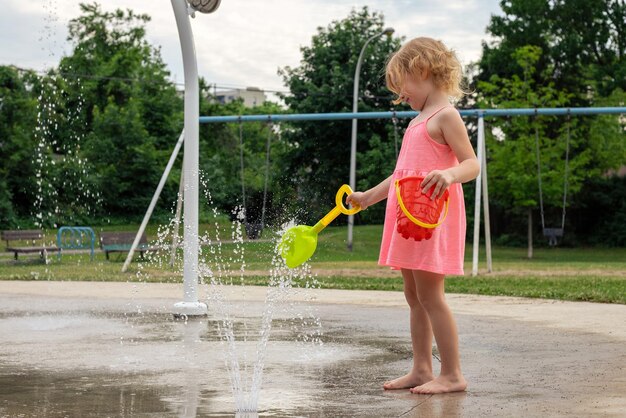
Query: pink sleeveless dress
x,y
444,252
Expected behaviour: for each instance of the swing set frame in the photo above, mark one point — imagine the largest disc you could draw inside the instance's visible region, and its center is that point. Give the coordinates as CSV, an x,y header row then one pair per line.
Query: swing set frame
x,y
481,190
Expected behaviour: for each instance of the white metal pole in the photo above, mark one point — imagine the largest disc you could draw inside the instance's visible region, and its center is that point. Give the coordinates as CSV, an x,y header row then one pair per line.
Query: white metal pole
x,y
355,101
480,149
485,191
153,202
190,305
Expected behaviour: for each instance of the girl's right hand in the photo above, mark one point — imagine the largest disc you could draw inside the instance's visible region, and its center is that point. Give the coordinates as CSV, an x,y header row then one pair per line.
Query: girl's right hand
x,y
357,199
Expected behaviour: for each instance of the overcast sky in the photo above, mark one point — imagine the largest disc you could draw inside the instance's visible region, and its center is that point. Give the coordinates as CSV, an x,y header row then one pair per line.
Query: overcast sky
x,y
245,41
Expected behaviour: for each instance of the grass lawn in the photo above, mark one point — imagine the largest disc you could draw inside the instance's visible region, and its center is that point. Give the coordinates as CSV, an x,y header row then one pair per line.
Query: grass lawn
x,y
580,274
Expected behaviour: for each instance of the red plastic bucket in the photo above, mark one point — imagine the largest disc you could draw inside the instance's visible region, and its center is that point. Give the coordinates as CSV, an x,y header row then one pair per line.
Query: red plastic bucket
x,y
417,215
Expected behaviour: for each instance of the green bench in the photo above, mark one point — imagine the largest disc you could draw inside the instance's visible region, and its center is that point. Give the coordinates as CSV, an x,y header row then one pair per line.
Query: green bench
x,y
121,242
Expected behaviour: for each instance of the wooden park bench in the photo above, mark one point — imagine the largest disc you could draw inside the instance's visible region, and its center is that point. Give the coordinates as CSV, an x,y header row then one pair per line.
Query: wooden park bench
x,y
121,242
27,235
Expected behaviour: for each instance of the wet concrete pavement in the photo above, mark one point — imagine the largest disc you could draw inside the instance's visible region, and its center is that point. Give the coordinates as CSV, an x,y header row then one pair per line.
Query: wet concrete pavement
x,y
112,349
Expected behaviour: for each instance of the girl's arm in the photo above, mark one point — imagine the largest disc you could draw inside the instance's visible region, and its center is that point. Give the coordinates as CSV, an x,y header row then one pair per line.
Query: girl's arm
x,y
371,196
455,134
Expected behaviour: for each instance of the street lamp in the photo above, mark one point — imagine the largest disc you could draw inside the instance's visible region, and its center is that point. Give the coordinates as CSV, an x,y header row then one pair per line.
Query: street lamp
x,y
205,6
355,99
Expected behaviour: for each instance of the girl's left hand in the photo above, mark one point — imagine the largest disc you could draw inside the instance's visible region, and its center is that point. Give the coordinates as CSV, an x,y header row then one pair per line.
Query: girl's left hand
x,y
441,179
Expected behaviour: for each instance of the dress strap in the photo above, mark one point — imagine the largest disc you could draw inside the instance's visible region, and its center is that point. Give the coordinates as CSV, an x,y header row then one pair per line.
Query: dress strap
x,y
438,110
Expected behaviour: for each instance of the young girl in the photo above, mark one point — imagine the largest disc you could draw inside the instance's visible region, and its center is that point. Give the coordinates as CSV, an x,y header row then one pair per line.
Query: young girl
x,y
424,74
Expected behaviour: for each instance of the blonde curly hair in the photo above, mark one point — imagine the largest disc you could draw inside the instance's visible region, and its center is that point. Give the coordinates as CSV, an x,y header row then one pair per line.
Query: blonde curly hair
x,y
428,54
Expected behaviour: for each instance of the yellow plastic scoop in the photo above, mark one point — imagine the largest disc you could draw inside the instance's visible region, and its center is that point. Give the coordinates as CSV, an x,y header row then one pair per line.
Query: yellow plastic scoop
x,y
298,244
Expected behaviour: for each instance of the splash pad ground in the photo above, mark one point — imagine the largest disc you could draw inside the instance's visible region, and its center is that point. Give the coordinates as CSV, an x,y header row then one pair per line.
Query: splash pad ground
x,y
109,349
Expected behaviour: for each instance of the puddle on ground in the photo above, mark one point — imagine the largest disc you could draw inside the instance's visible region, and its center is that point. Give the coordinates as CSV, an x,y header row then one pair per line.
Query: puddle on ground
x,y
112,363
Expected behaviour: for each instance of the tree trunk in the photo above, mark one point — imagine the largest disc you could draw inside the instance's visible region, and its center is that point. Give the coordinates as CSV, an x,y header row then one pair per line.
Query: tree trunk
x,y
530,233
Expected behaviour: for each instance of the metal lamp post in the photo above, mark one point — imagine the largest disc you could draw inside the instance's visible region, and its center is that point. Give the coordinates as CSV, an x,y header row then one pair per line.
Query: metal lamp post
x,y
355,100
190,306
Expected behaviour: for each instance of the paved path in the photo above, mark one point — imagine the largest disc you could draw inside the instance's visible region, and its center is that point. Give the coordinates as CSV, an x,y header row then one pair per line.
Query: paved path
x,y
115,345
599,318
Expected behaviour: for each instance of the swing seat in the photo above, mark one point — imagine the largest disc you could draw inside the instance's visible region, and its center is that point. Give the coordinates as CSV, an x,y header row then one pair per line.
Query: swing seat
x,y
552,234
253,229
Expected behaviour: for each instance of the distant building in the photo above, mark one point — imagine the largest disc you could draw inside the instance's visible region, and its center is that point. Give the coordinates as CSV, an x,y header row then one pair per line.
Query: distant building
x,y
252,96
620,172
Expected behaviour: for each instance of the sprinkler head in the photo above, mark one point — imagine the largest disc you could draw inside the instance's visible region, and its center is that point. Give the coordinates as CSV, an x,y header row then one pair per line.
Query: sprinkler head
x,y
204,6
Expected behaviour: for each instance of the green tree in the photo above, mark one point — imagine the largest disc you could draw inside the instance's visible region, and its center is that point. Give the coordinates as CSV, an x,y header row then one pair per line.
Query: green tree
x,y
512,157
583,44
126,109
582,48
18,115
323,82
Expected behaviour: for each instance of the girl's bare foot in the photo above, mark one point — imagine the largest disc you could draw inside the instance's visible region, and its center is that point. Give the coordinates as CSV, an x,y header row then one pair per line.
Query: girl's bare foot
x,y
442,384
408,381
